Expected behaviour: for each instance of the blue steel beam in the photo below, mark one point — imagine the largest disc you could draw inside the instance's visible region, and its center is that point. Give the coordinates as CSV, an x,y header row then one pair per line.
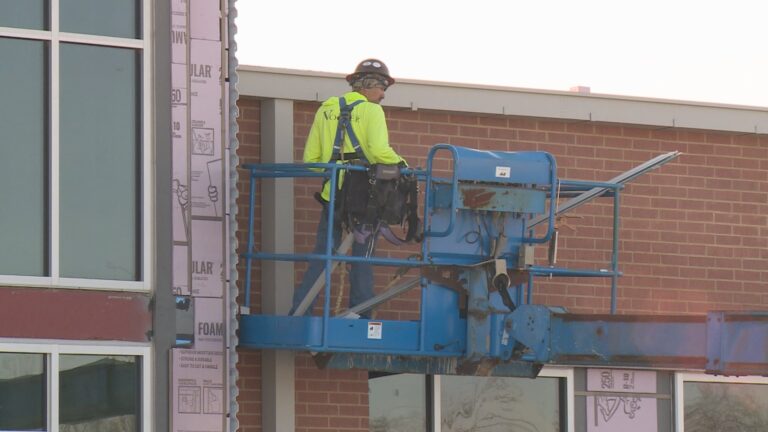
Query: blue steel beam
x,y
305,333
724,343
737,343
429,365
628,340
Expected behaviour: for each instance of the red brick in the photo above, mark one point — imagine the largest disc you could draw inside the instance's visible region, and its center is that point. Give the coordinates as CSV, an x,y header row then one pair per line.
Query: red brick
x,y
593,141
562,138
464,119
345,423
479,132
322,409
553,126
433,116
509,134
409,126
636,132
495,122
607,129
443,129
525,135
522,123
311,421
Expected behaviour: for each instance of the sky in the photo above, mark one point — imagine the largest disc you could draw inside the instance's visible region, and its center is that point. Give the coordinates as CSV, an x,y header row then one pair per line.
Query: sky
x,y
694,50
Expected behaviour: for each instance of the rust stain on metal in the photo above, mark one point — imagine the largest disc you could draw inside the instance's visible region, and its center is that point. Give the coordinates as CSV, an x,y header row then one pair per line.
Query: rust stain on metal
x,y
480,314
744,317
568,317
451,280
631,360
477,198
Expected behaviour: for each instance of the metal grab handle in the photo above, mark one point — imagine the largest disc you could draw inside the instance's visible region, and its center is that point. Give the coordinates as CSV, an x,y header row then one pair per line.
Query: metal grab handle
x,y
454,194
552,204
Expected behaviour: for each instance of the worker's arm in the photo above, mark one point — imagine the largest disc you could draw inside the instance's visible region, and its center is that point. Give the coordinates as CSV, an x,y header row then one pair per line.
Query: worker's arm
x,y
376,136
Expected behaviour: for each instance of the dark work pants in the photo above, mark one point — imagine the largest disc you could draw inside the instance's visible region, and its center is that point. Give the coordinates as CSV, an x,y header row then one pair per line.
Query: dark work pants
x,y
360,275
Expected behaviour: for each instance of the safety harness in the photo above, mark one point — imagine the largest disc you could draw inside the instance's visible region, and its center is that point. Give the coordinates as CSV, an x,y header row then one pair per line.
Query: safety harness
x,y
345,126
371,200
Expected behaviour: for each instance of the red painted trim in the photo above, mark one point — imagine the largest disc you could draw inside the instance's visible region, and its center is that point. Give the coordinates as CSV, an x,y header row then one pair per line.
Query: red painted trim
x,y
74,314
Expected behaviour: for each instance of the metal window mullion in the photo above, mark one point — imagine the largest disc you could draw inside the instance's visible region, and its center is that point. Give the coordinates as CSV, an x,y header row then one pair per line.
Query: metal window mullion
x,y
53,390
25,33
679,402
106,41
147,156
147,413
566,374
54,137
436,408
101,284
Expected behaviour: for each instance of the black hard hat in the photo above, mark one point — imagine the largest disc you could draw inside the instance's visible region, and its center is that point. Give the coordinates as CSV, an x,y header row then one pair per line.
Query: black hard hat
x,y
371,66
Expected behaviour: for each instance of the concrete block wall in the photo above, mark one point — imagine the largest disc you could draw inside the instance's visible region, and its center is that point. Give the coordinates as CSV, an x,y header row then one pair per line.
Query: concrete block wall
x,y
694,234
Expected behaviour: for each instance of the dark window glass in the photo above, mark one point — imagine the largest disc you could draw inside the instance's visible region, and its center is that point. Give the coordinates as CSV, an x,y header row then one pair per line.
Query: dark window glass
x,y
495,404
99,393
27,14
23,156
397,403
22,392
725,407
99,153
117,18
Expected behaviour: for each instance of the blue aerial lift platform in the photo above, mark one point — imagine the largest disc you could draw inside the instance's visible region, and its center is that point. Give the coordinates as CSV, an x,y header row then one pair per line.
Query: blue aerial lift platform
x,y
482,222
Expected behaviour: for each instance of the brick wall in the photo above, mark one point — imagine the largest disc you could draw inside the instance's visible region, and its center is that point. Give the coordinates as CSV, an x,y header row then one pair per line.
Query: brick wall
x,y
249,362
330,400
694,234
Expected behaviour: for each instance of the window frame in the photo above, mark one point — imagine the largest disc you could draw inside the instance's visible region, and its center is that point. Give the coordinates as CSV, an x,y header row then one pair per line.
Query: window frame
x,y
682,377
546,372
54,37
52,349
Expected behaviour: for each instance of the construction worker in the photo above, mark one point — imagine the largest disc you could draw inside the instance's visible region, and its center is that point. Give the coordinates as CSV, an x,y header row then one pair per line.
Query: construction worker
x,y
368,140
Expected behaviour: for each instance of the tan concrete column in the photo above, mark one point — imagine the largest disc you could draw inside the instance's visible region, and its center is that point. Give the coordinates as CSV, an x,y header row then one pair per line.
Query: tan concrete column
x,y
278,396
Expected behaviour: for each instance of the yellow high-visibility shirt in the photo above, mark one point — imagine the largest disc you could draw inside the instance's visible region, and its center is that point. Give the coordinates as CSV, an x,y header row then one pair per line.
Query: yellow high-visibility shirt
x,y
369,125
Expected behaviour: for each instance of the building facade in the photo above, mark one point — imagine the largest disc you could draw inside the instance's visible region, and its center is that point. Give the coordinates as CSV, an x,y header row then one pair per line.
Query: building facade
x,y
693,239
112,290
84,336
100,300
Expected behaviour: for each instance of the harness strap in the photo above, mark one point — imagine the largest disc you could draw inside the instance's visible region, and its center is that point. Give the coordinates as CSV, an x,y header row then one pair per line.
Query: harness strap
x,y
345,126
415,228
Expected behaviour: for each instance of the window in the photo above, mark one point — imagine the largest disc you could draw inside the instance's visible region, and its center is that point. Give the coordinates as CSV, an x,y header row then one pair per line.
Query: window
x,y
98,392
447,403
707,403
22,391
397,403
103,389
75,116
498,404
26,14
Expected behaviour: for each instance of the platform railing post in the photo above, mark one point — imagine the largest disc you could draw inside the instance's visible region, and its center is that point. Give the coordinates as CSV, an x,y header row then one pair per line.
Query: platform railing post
x,y
328,252
615,252
249,259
